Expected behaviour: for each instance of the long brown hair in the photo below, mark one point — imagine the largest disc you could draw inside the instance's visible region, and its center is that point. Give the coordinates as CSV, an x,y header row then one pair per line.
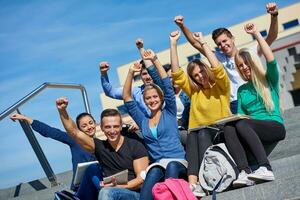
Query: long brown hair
x,y
202,65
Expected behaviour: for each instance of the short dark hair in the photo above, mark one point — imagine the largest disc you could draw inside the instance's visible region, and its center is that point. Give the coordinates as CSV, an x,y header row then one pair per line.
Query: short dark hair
x,y
110,112
143,66
219,31
81,115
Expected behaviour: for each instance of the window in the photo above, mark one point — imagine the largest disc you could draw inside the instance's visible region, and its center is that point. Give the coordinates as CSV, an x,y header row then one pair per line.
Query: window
x,y
194,57
263,33
122,109
290,24
292,51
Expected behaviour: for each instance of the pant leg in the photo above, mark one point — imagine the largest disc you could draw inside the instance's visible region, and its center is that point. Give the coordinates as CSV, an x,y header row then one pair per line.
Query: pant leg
x,y
192,153
235,148
197,143
115,193
175,170
154,175
205,139
254,132
87,190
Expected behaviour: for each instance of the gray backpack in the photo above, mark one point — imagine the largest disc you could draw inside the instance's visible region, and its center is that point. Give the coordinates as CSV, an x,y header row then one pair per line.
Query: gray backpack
x,y
218,169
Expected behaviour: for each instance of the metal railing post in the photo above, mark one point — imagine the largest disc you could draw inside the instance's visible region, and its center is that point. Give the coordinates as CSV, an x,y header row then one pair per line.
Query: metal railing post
x,y
38,152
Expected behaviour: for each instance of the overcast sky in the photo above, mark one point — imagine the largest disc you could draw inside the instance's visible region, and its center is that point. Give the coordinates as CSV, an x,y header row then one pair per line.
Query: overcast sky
x,y
63,41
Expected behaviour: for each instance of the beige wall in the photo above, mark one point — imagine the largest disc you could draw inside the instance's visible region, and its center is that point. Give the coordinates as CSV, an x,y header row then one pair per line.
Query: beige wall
x,y
241,40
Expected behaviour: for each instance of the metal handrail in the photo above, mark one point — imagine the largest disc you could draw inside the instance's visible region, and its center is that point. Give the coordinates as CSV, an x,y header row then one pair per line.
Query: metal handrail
x,y
28,130
39,89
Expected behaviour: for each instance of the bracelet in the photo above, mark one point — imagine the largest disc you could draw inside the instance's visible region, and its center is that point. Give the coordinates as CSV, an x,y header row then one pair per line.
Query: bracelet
x,y
274,15
154,58
203,43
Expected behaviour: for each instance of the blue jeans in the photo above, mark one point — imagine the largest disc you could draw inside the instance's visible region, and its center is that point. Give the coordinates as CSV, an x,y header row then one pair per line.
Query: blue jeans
x,y
157,174
116,193
89,186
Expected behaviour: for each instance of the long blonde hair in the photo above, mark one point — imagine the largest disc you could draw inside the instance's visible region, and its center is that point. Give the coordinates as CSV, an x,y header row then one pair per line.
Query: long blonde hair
x,y
258,76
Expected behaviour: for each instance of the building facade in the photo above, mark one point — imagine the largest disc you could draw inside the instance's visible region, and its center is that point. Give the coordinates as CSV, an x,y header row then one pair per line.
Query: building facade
x,y
286,49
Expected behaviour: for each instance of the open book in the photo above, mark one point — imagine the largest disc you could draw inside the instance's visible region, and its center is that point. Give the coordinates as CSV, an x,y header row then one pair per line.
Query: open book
x,y
121,177
231,118
81,167
162,163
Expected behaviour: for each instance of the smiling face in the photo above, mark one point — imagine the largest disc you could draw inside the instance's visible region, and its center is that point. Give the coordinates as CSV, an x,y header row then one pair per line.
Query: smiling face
x,y
225,44
200,76
145,76
243,67
112,126
153,99
87,125
198,73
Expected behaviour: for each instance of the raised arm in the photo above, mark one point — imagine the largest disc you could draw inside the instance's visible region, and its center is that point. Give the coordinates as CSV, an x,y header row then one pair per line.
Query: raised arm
x,y
81,138
44,129
212,59
115,93
174,36
150,55
272,9
250,28
148,63
15,117
128,83
140,45
179,20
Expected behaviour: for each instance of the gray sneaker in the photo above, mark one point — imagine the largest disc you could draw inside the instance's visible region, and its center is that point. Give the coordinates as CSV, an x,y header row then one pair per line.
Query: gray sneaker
x,y
197,190
262,174
242,180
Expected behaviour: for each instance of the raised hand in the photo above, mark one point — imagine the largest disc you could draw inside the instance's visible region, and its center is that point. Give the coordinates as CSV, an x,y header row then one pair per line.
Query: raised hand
x,y
149,55
137,67
250,28
62,103
174,36
199,37
104,67
15,117
272,8
179,20
139,43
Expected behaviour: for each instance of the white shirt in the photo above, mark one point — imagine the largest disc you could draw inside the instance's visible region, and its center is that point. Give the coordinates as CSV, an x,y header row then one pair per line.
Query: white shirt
x,y
235,80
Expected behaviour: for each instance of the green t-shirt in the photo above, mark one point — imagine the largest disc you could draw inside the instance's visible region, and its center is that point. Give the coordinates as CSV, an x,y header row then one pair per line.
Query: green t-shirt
x,y
250,102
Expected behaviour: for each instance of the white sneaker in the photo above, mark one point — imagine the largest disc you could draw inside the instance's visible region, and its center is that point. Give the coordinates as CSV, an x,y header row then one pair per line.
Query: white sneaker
x,y
262,174
242,180
197,190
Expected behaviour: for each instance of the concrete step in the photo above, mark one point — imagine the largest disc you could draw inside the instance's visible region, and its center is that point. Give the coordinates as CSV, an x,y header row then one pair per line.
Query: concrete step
x,y
286,148
284,188
47,194
286,185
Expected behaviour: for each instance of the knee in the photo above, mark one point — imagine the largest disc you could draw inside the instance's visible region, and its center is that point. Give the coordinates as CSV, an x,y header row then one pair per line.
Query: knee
x,y
241,124
155,174
104,193
173,165
93,169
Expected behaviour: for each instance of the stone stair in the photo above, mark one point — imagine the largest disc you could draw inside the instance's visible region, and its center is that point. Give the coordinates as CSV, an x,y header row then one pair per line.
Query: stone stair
x,y
285,160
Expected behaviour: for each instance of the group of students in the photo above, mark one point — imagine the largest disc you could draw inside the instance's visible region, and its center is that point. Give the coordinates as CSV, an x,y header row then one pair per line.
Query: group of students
x,y
170,101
